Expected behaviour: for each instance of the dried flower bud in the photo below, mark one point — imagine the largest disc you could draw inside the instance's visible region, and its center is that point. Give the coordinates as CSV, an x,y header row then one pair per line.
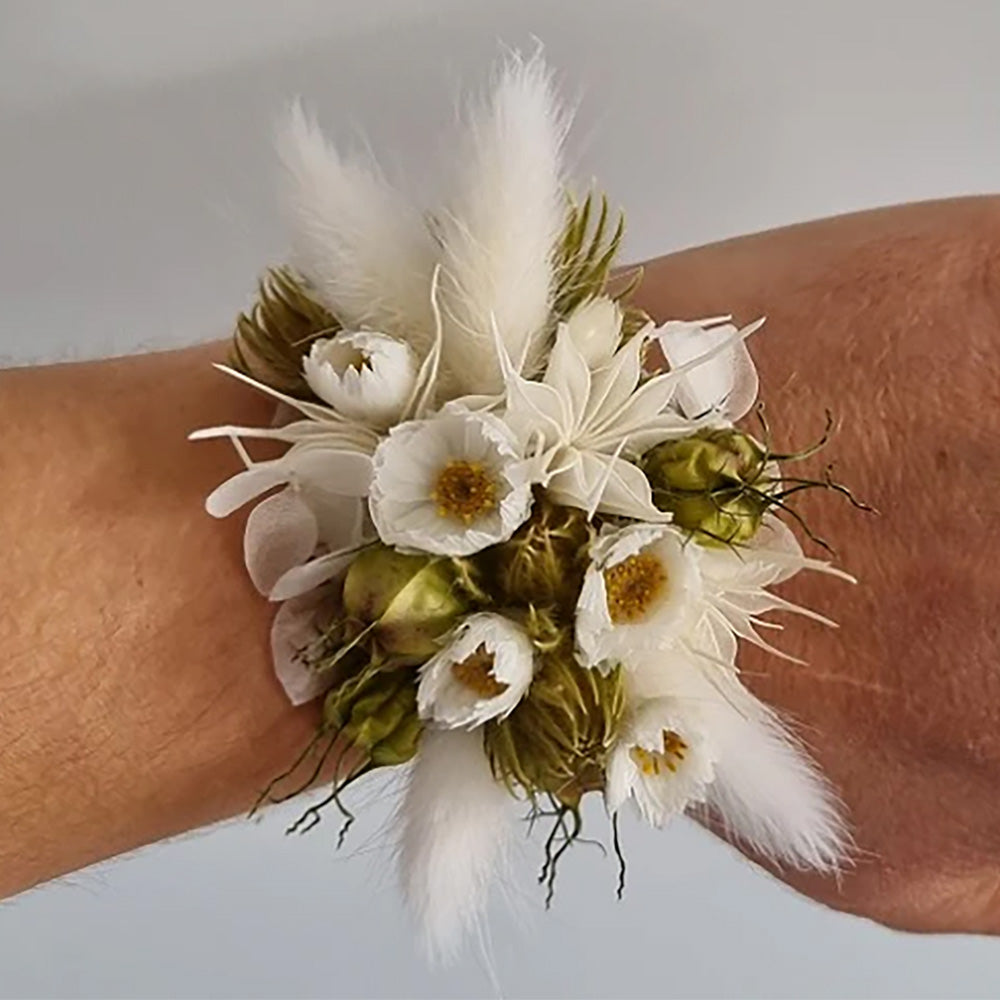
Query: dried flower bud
x,y
411,600
378,715
712,484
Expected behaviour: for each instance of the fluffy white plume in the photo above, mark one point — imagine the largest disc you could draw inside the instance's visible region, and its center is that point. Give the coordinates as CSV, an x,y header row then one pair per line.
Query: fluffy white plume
x,y
368,253
499,231
454,836
767,792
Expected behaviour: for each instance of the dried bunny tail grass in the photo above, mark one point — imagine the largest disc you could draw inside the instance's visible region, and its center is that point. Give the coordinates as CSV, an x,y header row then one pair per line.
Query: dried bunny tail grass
x,y
271,339
499,232
455,829
368,253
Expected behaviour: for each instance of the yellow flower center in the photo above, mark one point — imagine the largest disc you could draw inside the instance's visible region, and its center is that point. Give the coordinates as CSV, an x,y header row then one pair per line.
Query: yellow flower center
x,y
632,586
464,491
476,673
653,763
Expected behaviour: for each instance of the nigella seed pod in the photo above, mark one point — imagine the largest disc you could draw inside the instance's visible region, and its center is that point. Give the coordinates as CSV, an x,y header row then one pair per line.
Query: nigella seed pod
x,y
409,601
714,483
377,714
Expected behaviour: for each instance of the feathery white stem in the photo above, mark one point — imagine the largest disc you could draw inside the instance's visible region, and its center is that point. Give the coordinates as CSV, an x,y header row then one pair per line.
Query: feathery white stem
x,y
499,231
367,252
454,832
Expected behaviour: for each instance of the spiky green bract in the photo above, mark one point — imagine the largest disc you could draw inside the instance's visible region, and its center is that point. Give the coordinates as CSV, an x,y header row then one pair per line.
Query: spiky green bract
x,y
271,339
584,258
557,740
543,563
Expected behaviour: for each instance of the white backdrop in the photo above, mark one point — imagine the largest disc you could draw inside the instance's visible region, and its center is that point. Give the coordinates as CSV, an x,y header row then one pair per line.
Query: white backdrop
x,y
135,210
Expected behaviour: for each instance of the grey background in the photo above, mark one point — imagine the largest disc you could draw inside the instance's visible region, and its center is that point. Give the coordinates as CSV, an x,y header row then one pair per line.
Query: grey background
x,y
135,209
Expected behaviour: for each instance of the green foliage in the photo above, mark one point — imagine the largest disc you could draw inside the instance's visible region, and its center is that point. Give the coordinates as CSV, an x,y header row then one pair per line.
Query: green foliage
x,y
271,339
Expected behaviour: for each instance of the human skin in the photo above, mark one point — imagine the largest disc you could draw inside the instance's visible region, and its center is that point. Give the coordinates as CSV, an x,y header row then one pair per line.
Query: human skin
x,y
137,695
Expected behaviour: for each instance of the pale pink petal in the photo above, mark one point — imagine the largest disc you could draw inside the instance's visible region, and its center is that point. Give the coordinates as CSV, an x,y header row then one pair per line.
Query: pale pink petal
x,y
293,630
281,532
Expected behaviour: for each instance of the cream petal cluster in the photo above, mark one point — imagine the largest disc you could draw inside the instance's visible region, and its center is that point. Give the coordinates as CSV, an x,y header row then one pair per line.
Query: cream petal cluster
x,y
450,485
663,759
481,674
721,378
641,592
363,375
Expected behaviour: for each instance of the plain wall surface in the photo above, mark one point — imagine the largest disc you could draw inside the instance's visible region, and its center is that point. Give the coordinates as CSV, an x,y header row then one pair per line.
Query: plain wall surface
x,y
136,208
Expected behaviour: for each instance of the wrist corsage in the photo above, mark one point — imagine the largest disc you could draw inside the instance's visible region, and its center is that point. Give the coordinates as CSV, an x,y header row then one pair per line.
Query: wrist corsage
x,y
516,537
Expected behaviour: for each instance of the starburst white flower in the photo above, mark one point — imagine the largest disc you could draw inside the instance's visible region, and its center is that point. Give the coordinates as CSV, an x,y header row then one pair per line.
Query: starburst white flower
x,y
364,375
481,674
724,382
642,591
663,758
450,485
582,426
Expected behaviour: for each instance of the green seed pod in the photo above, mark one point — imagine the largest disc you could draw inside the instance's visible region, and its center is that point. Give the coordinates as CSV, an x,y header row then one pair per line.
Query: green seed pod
x,y
410,600
557,739
712,483
377,714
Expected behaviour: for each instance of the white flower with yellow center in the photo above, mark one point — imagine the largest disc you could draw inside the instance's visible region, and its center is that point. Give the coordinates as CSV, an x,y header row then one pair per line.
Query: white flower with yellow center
x,y
451,485
482,673
662,759
642,591
363,375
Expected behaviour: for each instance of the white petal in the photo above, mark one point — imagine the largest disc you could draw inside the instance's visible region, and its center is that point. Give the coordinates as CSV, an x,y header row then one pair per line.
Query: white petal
x,y
333,470
725,382
310,575
293,630
245,486
281,532
568,374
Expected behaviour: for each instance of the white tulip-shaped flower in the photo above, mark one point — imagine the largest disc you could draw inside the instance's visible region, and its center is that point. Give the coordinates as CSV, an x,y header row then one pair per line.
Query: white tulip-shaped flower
x,y
662,759
641,592
450,485
481,674
364,375
595,327
724,382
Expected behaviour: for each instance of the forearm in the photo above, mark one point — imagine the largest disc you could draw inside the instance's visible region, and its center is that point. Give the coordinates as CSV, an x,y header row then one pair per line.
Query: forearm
x,y
138,699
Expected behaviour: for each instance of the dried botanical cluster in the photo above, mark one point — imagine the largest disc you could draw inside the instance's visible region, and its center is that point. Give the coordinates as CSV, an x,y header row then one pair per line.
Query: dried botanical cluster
x,y
507,552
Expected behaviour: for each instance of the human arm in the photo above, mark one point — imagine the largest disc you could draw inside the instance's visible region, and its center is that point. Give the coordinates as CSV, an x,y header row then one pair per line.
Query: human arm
x,y
138,700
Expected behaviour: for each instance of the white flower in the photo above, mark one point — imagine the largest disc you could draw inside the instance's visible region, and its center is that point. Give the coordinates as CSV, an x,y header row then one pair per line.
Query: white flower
x,y
451,485
641,592
363,375
581,425
482,674
725,382
662,758
595,327
734,585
